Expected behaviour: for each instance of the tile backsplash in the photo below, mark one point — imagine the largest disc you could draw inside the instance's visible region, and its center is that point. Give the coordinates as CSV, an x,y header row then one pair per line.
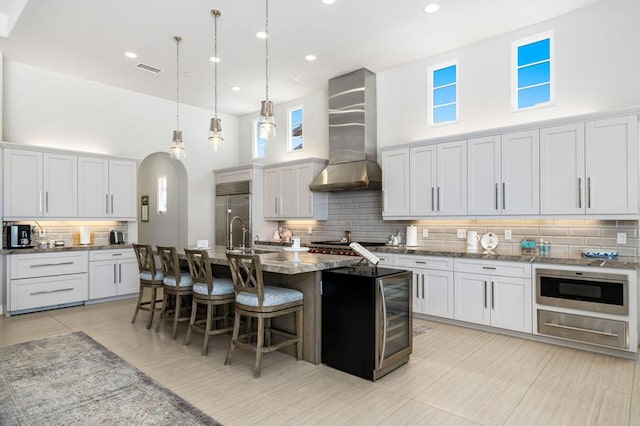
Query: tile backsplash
x,y
65,230
360,213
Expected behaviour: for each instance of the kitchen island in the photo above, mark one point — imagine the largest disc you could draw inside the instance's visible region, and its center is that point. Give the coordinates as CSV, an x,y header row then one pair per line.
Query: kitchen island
x,y
305,275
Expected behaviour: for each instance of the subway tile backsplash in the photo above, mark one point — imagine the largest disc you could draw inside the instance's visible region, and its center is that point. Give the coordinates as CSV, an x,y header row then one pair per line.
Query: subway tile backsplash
x,y
361,213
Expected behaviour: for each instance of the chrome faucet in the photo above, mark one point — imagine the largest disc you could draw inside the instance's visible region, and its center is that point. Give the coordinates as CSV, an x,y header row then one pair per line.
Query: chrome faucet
x,y
244,231
347,236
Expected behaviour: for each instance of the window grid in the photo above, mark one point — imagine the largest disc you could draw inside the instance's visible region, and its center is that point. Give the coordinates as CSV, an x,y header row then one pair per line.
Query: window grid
x,y
443,89
295,135
533,84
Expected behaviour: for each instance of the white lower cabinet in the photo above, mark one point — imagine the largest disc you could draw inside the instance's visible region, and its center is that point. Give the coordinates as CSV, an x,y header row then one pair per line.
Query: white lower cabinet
x,y
41,280
113,273
432,283
497,294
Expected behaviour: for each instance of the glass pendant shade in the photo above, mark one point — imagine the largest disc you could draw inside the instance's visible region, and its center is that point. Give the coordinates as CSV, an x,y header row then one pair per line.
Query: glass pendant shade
x,y
267,125
216,141
177,150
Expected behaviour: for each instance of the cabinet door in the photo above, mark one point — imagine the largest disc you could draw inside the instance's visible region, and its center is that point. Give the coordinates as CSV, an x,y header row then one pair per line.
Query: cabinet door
x,y
471,293
418,290
93,187
484,178
422,182
562,181
288,192
520,173
511,303
60,185
451,188
395,183
304,196
271,192
128,276
122,189
612,162
103,280
438,299
23,194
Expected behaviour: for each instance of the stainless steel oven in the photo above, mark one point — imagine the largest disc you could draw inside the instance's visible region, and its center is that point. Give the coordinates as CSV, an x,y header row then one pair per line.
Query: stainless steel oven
x,y
601,298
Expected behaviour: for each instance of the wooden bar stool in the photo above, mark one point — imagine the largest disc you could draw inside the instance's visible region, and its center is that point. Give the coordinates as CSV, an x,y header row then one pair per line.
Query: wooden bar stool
x,y
255,300
151,278
211,292
177,284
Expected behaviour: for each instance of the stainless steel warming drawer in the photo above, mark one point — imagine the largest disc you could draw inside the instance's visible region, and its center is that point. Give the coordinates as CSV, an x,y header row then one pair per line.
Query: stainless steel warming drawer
x,y
580,328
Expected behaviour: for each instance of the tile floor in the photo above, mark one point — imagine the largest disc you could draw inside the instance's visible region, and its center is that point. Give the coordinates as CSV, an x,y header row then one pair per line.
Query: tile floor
x,y
456,376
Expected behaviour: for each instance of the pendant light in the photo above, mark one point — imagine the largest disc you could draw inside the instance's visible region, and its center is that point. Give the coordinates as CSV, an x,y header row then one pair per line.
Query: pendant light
x,y
216,141
267,125
177,149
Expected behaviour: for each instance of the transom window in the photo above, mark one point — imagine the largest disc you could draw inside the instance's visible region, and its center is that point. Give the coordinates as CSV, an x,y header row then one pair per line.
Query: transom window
x,y
533,84
443,89
259,144
295,139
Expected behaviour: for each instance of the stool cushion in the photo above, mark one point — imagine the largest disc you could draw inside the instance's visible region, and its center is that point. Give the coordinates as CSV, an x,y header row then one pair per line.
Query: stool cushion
x,y
273,296
185,280
147,275
221,286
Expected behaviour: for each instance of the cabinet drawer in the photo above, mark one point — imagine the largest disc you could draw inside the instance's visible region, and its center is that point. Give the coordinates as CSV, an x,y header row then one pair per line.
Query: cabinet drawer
x,y
40,292
428,262
48,264
386,259
117,254
499,268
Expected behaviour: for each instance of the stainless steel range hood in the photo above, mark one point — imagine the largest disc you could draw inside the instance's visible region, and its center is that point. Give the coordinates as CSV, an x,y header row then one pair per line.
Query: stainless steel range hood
x,y
352,135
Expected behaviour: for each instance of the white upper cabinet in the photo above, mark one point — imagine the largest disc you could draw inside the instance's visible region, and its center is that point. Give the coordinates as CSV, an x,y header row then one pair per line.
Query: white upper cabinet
x,y
451,188
40,184
287,194
422,184
395,183
107,188
590,168
504,174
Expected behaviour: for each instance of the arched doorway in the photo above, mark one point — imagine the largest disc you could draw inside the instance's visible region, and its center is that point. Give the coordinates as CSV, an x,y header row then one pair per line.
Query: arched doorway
x,y
168,222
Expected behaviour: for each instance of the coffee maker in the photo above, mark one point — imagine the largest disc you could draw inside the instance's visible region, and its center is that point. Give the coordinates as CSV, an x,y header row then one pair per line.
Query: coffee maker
x,y
19,236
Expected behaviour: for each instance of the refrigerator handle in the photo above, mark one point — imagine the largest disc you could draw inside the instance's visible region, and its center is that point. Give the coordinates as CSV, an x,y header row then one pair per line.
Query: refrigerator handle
x,y
384,323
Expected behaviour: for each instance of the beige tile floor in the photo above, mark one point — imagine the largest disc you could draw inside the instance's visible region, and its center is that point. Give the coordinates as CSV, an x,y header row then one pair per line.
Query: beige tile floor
x,y
456,376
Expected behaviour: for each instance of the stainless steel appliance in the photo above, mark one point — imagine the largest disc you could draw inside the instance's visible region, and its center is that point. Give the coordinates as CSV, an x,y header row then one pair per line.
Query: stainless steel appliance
x,y
366,320
590,293
19,236
233,214
339,247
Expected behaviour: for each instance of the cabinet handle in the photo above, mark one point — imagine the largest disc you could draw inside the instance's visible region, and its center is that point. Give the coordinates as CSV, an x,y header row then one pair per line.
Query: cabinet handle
x,y
417,288
438,198
488,267
276,205
504,197
116,254
120,272
423,286
111,203
114,274
579,193
50,264
497,195
586,330
421,262
46,202
493,295
51,291
433,200
484,299
106,203
588,192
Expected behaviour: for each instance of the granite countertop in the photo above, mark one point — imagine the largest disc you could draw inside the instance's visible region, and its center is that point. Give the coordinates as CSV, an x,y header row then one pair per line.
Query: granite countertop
x,y
281,262
66,248
623,262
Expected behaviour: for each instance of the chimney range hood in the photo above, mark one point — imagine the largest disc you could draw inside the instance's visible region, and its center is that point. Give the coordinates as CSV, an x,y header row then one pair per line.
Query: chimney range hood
x,y
352,135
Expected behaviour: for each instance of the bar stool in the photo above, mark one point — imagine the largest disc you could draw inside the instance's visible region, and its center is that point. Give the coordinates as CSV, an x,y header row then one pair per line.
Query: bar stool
x,y
177,284
150,277
255,300
211,292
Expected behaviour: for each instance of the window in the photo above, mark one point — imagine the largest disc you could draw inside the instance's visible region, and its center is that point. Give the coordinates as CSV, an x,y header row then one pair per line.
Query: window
x,y
162,194
443,89
295,138
532,72
259,144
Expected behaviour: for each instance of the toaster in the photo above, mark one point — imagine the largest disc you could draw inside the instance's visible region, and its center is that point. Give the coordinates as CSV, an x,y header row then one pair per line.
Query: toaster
x,y
116,237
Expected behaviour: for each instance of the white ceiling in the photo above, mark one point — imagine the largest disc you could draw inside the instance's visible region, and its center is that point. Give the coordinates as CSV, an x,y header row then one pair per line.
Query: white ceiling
x,y
88,39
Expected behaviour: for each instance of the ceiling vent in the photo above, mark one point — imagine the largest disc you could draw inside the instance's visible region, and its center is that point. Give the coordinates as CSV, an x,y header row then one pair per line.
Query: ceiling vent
x,y
149,68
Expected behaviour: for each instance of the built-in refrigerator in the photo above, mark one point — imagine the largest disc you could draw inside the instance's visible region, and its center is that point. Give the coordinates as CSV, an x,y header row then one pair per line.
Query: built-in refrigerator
x,y
233,199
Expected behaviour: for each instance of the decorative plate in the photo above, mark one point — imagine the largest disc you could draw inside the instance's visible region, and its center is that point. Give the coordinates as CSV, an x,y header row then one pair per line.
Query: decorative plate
x,y
489,241
599,253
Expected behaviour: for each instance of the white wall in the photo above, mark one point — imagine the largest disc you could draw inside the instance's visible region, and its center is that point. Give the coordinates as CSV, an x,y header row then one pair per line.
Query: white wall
x,y
55,110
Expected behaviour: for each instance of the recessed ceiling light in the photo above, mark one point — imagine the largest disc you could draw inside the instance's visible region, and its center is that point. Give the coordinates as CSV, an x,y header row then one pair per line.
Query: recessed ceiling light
x,y
214,59
236,88
261,35
310,58
432,8
130,55
328,1
295,81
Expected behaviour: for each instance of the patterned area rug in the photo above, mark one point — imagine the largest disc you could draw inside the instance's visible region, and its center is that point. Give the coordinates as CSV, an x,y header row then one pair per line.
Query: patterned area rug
x,y
72,379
